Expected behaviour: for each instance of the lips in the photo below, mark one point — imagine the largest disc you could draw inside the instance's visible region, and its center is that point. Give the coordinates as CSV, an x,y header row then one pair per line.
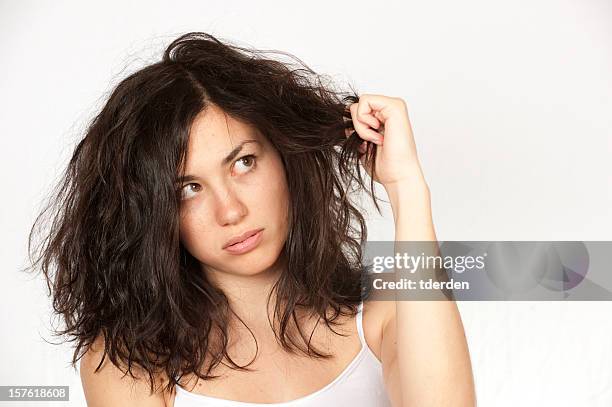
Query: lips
x,y
240,238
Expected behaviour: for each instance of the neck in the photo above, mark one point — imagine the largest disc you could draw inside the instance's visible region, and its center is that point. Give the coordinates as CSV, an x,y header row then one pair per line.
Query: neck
x,y
248,294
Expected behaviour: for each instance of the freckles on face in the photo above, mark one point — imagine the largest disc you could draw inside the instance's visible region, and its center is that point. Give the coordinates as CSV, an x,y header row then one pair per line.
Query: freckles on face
x,y
235,182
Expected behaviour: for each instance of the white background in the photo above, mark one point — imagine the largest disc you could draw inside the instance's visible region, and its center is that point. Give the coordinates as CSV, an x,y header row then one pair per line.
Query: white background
x,y
511,108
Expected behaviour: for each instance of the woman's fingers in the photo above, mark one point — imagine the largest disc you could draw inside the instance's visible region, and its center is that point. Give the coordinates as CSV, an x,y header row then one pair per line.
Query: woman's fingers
x,y
365,114
364,123
364,144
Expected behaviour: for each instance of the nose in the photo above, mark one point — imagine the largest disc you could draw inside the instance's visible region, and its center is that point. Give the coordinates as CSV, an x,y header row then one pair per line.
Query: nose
x,y
230,209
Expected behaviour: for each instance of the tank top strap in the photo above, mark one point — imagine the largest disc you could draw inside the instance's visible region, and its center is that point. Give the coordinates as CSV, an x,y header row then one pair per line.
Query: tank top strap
x,y
359,318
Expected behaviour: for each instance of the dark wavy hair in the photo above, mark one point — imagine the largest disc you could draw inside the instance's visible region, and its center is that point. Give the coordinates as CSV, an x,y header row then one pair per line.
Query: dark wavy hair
x,y
112,258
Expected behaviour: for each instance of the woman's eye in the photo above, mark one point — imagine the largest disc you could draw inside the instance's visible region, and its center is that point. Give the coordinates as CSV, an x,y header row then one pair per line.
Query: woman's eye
x,y
248,161
189,190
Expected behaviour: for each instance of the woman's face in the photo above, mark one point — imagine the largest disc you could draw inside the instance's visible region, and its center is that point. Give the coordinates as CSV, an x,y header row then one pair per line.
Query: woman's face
x,y
234,183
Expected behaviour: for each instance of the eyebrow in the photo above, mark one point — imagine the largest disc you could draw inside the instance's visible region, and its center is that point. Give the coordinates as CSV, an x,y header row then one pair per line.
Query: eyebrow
x,y
225,161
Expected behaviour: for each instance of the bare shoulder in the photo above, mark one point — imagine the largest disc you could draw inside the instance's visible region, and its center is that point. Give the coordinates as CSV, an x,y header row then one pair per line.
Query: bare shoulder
x,y
378,319
109,387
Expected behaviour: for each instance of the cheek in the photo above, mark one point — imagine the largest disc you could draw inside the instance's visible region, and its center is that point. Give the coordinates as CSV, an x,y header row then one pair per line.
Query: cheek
x,y
277,196
191,230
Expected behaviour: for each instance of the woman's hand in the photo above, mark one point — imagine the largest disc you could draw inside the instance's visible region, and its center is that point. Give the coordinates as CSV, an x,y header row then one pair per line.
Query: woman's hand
x,y
384,121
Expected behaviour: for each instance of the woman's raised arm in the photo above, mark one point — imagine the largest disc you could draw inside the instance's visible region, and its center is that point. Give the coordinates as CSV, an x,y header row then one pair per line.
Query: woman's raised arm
x,y
425,355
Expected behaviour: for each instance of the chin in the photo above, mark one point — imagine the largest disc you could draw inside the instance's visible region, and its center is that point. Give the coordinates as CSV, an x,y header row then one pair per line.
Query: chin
x,y
258,261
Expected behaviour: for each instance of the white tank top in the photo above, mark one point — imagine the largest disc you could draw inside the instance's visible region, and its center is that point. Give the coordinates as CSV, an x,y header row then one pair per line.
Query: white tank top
x,y
359,385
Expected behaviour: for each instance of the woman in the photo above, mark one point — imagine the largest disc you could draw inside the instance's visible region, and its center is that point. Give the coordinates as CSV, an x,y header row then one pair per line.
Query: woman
x,y
204,250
